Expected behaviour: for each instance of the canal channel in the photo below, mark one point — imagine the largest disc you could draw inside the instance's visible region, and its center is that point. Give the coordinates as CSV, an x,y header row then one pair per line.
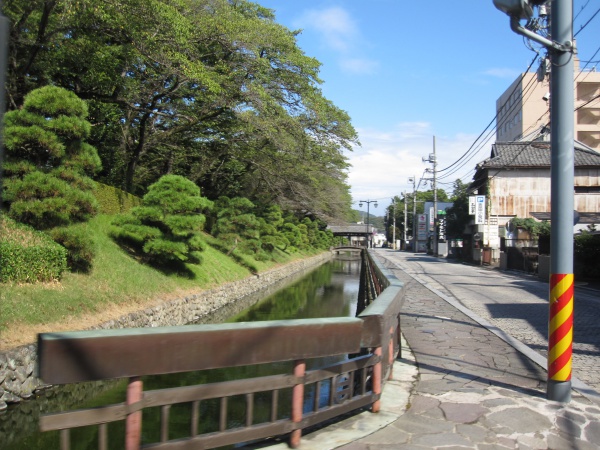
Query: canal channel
x,y
330,290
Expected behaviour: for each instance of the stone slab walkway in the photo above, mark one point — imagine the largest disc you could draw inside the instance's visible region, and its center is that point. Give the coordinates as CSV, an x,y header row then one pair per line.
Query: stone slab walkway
x,y
457,385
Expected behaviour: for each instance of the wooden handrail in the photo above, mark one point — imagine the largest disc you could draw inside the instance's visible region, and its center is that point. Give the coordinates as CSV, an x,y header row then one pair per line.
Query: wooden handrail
x,y
95,355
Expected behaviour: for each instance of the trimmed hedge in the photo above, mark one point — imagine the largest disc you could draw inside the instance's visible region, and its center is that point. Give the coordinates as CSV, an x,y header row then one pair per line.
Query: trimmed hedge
x,y
80,246
113,200
28,256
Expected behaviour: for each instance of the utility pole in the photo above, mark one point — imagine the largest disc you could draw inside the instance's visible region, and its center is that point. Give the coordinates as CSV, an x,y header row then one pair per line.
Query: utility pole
x,y
435,235
432,159
562,179
405,218
562,174
4,33
414,220
394,231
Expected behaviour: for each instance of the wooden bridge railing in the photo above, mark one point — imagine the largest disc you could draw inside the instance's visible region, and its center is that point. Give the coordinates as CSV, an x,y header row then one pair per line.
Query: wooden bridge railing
x,y
371,342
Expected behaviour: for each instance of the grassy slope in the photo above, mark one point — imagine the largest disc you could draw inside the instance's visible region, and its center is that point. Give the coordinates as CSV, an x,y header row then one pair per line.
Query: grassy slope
x,y
116,279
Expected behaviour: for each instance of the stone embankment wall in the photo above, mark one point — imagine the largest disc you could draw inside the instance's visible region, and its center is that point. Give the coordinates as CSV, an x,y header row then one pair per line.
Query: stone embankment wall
x,y
17,366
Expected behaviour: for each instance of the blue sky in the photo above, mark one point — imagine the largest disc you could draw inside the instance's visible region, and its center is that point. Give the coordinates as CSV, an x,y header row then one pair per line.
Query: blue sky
x,y
408,70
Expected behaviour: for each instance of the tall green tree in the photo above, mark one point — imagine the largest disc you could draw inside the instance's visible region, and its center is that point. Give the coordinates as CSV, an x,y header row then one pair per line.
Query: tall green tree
x,y
213,90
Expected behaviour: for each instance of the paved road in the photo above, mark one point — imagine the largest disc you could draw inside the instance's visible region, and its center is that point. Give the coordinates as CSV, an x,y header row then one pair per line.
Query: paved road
x,y
516,304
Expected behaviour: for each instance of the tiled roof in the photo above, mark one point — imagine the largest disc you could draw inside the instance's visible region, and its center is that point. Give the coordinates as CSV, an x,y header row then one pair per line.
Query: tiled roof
x,y
534,154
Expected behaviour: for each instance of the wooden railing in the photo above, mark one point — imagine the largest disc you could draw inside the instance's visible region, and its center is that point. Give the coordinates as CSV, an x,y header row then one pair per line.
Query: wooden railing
x,y
370,341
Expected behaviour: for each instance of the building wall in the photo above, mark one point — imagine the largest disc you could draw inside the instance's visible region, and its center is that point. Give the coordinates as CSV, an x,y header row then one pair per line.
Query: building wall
x,y
522,109
520,192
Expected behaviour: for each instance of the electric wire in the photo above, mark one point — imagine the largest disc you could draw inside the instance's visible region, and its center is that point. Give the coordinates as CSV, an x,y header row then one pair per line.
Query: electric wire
x,y
587,23
508,115
470,149
581,10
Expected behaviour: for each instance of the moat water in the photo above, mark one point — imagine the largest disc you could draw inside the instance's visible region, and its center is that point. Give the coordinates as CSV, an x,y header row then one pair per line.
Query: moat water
x,y
331,290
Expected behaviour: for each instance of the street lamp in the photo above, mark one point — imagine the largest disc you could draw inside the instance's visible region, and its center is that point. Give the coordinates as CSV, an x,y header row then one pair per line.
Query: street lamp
x,y
562,177
368,202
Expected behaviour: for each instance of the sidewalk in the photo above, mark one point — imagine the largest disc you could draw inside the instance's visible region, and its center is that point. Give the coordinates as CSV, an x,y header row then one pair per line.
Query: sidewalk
x,y
458,385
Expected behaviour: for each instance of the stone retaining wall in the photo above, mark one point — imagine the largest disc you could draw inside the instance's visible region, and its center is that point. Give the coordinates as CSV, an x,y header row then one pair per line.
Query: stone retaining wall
x,y
17,375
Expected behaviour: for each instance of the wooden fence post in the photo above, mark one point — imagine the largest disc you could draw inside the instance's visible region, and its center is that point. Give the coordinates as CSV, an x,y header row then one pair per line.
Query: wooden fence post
x,y
297,401
377,378
133,422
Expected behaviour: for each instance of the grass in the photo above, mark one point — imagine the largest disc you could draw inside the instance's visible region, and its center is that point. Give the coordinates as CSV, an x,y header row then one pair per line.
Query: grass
x,y
116,279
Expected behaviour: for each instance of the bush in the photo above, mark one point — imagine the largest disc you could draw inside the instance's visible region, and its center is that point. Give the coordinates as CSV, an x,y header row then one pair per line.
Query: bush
x,y
165,230
29,256
81,248
48,163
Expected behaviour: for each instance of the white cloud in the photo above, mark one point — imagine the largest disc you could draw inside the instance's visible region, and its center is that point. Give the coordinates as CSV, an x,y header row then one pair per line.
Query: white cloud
x,y
359,65
381,167
502,72
338,31
335,25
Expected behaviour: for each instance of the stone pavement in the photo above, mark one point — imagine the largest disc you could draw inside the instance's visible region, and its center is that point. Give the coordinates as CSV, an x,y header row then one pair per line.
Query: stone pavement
x,y
457,385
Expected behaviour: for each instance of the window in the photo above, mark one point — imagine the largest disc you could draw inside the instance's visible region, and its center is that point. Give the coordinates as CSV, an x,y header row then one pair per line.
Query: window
x,y
587,189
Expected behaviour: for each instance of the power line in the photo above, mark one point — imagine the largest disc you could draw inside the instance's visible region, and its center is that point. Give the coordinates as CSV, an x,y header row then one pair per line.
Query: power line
x,y
464,155
527,90
587,23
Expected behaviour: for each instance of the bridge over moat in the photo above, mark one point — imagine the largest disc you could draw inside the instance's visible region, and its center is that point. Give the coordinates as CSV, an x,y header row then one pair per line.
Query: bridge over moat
x,y
353,231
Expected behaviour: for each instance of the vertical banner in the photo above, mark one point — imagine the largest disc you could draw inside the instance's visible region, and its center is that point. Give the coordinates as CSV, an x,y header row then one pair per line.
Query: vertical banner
x,y
472,203
560,327
422,227
480,210
431,224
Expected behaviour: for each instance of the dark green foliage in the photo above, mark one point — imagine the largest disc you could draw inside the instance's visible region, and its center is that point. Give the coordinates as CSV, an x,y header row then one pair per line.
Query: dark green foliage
x,y
532,226
48,162
587,249
237,226
457,215
79,244
28,256
293,235
45,201
166,228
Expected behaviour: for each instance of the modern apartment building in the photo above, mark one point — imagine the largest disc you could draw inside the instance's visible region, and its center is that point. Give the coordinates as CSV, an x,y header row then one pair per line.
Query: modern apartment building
x,y
523,110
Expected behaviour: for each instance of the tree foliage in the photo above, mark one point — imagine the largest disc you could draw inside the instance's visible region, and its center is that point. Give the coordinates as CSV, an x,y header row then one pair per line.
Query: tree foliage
x,y
213,90
532,226
166,228
458,214
49,164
